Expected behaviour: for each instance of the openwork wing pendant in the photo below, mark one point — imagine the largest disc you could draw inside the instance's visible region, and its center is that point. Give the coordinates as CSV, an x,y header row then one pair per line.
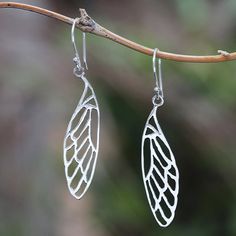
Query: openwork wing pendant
x,y
81,142
160,173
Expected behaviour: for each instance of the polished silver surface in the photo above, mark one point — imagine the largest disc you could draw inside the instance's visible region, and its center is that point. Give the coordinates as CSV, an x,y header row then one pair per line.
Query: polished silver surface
x,y
81,142
159,170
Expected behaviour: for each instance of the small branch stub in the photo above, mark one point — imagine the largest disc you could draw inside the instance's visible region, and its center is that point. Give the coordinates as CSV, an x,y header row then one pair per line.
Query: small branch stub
x,y
85,23
223,53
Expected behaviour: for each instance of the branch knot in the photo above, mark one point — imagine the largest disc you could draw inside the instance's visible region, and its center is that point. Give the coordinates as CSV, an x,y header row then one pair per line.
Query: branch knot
x,y
86,23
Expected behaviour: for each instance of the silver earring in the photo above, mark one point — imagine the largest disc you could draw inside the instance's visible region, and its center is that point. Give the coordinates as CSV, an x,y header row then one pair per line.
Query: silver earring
x,y
81,140
159,170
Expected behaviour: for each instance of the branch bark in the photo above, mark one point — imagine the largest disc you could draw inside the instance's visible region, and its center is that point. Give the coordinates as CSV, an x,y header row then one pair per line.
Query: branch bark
x,y
87,24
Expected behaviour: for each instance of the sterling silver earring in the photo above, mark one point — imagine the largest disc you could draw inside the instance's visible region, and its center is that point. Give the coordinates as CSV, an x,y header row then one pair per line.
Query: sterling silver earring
x,y
159,170
81,140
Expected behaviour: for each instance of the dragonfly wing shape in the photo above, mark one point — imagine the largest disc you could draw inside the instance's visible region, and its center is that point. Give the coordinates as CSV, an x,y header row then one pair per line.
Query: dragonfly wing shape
x,y
81,142
160,173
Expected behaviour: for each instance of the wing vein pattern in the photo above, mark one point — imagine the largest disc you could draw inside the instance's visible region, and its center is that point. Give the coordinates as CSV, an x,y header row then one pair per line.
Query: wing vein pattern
x,y
81,142
160,173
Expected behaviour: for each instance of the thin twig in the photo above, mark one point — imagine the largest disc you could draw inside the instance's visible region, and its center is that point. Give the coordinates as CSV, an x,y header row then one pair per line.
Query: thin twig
x,y
87,24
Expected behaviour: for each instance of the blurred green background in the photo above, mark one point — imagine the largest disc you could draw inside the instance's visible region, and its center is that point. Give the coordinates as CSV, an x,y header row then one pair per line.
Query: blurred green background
x,y
38,94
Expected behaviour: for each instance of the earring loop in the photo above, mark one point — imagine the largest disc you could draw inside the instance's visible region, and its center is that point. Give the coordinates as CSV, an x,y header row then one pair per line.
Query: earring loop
x,y
76,59
158,79
158,98
84,51
79,67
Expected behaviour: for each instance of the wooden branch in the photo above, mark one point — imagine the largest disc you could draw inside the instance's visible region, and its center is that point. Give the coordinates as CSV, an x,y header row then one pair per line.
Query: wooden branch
x,y
87,24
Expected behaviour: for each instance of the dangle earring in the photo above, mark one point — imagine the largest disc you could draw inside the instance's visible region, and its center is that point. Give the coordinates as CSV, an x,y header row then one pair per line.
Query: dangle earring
x,y
81,140
159,170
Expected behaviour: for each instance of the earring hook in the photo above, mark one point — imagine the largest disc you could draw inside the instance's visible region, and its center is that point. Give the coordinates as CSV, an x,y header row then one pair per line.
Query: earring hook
x,y
158,79
77,58
84,51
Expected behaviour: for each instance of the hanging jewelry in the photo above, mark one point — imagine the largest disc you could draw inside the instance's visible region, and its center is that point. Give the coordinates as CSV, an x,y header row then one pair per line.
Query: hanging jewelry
x,y
81,140
159,170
